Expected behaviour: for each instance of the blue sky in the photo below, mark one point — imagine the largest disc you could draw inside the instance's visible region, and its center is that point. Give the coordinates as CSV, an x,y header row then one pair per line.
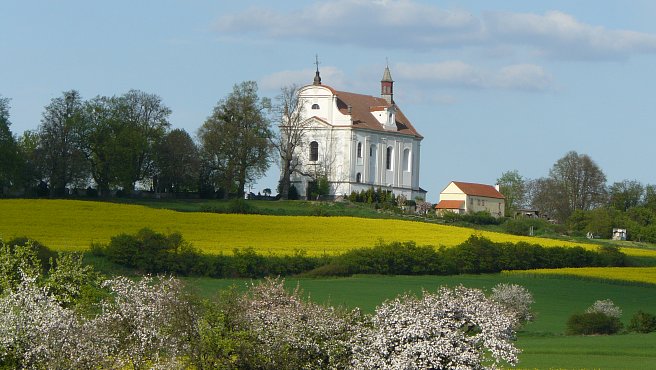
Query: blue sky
x,y
492,85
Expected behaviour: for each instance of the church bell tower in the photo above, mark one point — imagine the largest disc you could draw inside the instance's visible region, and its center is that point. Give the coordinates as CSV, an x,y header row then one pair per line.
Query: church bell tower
x,y
387,86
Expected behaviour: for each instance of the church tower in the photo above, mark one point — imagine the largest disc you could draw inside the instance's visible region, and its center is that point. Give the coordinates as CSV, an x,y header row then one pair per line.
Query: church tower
x,y
387,86
317,78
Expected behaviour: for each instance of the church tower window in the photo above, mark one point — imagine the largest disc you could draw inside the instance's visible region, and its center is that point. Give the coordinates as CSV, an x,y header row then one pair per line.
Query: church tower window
x,y
315,106
359,150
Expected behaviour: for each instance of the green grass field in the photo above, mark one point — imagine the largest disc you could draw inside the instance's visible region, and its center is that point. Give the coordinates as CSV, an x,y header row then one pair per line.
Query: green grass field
x,y
543,342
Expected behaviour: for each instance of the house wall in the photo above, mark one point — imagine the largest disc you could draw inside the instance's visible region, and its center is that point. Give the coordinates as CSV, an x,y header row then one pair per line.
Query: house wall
x,y
338,157
495,206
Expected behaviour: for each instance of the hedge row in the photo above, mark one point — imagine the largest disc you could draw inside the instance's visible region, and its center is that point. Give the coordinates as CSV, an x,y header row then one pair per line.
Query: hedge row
x,y
151,252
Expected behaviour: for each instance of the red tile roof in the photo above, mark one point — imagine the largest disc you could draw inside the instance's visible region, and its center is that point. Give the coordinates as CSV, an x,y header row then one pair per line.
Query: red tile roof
x,y
479,190
450,204
363,105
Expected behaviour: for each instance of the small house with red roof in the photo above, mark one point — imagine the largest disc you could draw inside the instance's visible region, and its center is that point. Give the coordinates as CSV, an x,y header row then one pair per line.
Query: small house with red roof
x,y
465,197
356,142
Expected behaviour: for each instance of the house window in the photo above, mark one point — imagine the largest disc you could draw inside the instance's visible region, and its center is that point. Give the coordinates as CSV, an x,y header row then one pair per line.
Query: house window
x,y
388,158
314,151
315,106
358,177
359,150
406,160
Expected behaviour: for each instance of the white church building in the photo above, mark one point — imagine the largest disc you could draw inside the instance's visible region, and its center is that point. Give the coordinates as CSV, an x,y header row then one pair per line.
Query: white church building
x,y
357,142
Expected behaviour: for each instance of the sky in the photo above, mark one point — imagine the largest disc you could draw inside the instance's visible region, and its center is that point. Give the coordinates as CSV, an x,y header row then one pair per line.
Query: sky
x,y
492,86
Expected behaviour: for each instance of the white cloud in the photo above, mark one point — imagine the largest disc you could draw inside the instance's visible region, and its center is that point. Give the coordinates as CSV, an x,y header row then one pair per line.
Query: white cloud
x,y
558,34
403,23
407,24
460,74
523,77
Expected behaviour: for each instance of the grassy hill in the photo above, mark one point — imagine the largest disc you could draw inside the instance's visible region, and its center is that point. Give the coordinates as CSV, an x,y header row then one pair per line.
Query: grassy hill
x,y
74,225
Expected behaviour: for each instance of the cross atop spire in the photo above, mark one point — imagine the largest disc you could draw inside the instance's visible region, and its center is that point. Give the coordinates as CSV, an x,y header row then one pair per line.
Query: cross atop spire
x,y
317,78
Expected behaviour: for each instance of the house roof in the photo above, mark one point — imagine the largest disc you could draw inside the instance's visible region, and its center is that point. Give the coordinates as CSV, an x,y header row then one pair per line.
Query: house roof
x,y
450,204
479,190
363,105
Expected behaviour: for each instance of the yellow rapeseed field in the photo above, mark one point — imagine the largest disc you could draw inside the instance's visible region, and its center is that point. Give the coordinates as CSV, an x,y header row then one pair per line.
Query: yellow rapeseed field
x,y
631,274
74,225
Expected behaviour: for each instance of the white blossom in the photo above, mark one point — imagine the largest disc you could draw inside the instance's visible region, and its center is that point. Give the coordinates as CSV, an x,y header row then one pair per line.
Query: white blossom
x,y
142,327
303,334
454,328
36,332
607,307
149,323
515,298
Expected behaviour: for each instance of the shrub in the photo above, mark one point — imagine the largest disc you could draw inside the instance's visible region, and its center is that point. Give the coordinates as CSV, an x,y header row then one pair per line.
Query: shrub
x,y
610,255
589,323
43,253
607,307
70,280
16,263
293,193
643,322
240,205
152,252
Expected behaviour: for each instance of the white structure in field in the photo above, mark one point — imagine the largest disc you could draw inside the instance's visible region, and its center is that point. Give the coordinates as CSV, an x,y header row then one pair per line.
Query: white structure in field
x,y
357,142
466,197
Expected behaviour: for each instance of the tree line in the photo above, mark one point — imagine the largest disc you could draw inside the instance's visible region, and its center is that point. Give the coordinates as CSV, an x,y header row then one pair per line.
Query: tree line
x,y
151,252
577,196
117,143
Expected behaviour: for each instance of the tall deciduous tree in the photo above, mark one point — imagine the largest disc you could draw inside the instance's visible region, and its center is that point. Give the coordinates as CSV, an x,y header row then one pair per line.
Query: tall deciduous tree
x,y
32,169
625,194
60,148
575,182
10,160
143,121
100,141
544,194
177,162
235,139
291,133
649,200
121,135
513,187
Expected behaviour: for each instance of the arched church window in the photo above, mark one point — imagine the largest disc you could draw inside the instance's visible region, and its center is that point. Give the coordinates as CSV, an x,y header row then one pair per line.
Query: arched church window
x,y
359,150
358,177
314,151
315,106
406,160
388,158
